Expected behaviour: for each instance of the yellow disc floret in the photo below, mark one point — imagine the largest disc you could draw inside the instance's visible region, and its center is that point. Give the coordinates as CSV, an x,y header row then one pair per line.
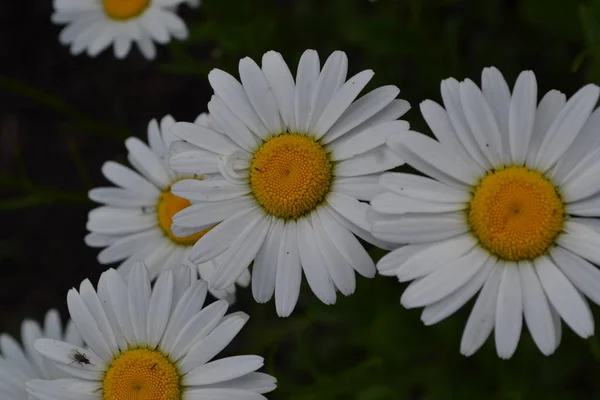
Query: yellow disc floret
x,y
167,207
124,9
142,374
290,175
516,213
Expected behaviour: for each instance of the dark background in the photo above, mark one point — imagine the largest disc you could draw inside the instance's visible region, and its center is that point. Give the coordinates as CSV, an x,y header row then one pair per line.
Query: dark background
x,y
61,117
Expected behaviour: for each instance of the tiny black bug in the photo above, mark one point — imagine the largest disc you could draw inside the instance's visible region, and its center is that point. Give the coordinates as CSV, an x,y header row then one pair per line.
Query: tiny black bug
x,y
80,358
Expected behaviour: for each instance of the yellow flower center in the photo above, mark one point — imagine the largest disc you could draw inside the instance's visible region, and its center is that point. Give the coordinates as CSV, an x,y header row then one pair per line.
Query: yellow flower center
x,y
516,213
169,205
290,175
142,374
124,9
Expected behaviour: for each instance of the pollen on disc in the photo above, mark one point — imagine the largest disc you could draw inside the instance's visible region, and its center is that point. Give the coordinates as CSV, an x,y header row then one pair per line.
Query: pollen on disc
x,y
290,175
516,213
142,374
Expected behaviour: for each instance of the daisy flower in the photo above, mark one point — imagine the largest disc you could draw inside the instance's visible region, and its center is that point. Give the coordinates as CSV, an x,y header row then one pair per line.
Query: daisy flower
x,y
296,158
18,365
93,25
508,210
150,343
134,223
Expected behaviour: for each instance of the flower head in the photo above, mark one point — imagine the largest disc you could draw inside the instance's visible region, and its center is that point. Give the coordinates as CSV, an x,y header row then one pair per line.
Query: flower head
x,y
508,210
296,158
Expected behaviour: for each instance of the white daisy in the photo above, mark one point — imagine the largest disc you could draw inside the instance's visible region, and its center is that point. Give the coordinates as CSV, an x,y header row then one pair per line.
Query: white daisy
x,y
510,209
18,365
295,157
150,343
134,224
96,24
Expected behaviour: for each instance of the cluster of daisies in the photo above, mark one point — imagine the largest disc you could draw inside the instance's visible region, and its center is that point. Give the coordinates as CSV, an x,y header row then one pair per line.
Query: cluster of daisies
x,y
287,176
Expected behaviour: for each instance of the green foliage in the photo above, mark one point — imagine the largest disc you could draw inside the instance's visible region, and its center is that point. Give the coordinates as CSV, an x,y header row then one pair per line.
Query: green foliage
x,y
367,347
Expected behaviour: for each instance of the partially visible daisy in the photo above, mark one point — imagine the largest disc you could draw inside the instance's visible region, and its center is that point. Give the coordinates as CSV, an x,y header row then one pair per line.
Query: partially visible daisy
x,y
134,223
510,210
296,159
149,343
93,25
18,365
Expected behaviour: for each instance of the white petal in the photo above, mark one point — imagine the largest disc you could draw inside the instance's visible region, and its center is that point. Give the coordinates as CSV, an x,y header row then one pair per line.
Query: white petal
x,y
581,240
207,348
281,81
482,317
451,95
233,94
264,269
444,281
340,102
260,95
138,298
509,312
313,264
422,188
418,228
392,203
447,306
522,116
580,149
231,125
64,389
196,329
218,239
368,139
376,160
569,303
547,111
582,274
363,187
439,123
256,382
87,326
566,126
128,179
496,92
482,122
242,251
112,289
353,216
536,308
361,110
218,393
188,305
222,370
94,304
117,197
332,77
347,245
306,82
340,271
147,162
208,189
203,137
159,308
289,271
429,157
128,245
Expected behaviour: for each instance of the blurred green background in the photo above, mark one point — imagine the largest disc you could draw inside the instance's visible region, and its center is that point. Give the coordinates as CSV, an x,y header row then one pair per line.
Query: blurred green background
x,y
61,117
